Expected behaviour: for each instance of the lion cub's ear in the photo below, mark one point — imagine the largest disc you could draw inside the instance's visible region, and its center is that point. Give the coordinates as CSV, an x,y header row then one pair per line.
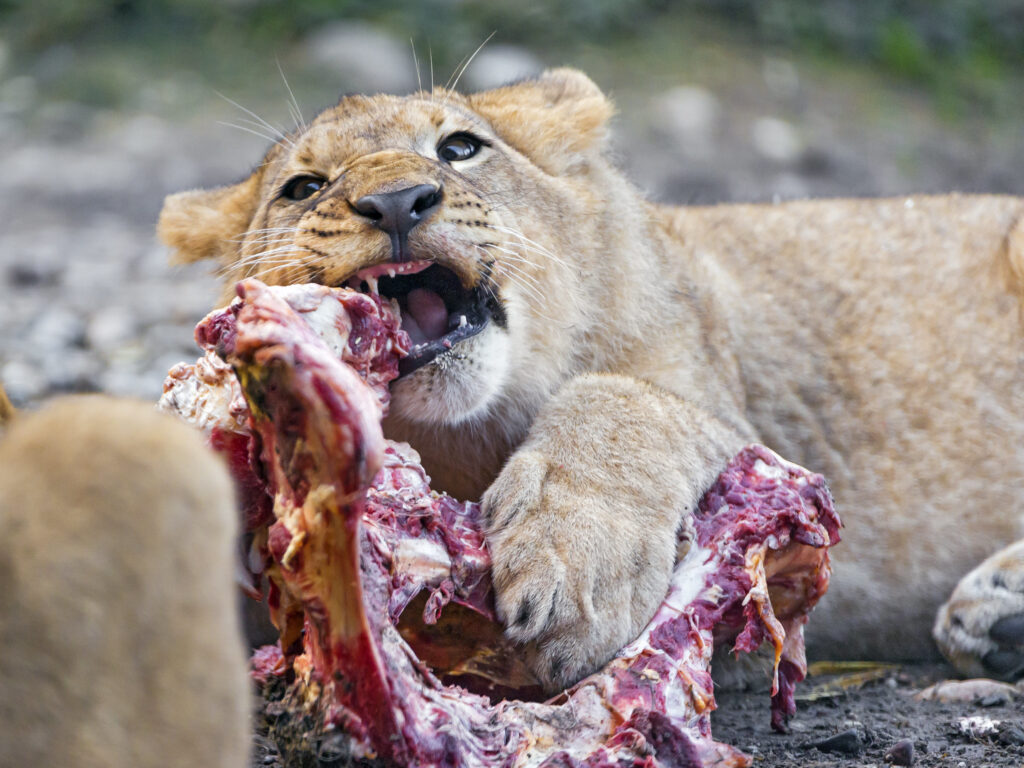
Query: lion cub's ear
x,y
206,223
557,120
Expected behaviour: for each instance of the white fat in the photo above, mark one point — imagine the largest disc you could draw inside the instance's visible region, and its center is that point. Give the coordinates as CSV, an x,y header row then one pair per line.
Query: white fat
x,y
426,558
302,297
766,470
593,724
689,577
688,581
330,322
202,394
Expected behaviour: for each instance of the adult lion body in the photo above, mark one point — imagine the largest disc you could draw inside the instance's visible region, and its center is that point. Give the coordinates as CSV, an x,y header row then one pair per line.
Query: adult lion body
x,y
610,355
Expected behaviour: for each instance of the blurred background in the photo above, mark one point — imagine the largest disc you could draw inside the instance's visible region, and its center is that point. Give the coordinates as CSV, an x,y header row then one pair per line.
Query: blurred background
x,y
108,105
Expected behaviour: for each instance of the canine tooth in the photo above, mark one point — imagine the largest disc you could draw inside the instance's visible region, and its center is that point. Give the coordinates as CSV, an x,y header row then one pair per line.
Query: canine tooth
x,y
372,283
462,321
391,273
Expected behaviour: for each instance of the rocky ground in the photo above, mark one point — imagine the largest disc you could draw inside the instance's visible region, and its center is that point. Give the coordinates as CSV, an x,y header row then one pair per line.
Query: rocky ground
x,y
879,721
89,303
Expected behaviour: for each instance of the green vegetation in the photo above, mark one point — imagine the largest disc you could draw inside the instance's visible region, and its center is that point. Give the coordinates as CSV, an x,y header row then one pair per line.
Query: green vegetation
x,y
959,49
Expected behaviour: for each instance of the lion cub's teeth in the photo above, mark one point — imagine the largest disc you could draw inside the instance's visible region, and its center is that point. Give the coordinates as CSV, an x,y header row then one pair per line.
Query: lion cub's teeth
x,y
371,283
391,273
462,321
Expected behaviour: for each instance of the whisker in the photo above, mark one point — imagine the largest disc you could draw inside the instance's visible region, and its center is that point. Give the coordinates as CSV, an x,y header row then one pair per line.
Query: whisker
x,y
536,247
268,260
264,254
512,255
272,128
293,107
514,265
516,277
282,136
416,64
265,230
255,238
269,239
271,139
451,86
252,267
273,251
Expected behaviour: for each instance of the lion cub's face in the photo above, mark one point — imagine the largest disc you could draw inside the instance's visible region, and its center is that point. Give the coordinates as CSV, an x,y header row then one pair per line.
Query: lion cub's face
x,y
454,207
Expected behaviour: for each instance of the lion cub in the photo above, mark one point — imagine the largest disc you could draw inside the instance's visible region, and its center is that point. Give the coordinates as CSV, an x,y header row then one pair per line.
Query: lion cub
x,y
587,361
118,628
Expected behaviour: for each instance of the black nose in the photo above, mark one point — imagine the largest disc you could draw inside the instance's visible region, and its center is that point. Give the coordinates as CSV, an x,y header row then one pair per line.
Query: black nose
x,y
398,212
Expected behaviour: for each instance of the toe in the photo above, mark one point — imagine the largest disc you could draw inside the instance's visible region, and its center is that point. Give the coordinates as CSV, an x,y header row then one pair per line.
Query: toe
x,y
1008,631
1006,664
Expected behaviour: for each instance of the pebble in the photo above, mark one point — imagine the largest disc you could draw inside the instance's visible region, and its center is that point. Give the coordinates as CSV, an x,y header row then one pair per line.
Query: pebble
x,y
687,114
901,753
845,743
497,65
995,699
109,328
56,327
33,272
17,94
1011,735
776,140
72,370
363,56
23,381
781,77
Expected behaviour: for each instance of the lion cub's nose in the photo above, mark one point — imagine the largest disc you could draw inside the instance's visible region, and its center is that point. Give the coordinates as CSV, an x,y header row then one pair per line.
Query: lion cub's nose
x,y
398,212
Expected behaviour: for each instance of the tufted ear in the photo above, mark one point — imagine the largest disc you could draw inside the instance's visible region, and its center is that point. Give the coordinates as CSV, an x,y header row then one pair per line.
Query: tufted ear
x,y
557,119
204,223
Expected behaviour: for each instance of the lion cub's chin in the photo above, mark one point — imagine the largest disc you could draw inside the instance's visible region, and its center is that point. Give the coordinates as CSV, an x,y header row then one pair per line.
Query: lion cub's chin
x,y
460,384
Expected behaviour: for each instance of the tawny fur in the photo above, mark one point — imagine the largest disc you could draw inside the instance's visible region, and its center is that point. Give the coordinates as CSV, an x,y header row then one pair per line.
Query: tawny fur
x,y
7,410
875,341
118,624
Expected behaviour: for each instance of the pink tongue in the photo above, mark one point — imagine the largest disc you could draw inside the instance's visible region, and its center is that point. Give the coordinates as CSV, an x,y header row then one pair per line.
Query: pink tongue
x,y
428,315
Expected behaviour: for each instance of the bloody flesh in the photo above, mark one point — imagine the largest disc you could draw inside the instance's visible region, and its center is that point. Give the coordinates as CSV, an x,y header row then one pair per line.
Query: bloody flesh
x,y
354,536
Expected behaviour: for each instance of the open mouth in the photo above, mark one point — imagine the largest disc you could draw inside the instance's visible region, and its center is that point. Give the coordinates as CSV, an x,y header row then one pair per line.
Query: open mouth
x,y
437,311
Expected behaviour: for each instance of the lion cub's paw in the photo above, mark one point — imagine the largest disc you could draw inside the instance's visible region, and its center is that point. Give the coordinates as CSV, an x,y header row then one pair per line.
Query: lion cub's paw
x,y
981,628
576,576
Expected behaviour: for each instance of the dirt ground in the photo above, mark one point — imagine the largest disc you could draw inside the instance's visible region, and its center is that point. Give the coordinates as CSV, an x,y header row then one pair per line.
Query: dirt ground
x,y
859,727
879,723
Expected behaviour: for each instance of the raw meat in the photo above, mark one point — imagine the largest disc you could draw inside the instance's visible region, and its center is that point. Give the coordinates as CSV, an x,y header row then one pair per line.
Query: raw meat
x,y
355,536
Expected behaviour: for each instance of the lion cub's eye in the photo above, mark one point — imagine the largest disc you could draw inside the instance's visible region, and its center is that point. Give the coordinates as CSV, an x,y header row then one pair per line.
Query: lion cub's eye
x,y
461,146
302,187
